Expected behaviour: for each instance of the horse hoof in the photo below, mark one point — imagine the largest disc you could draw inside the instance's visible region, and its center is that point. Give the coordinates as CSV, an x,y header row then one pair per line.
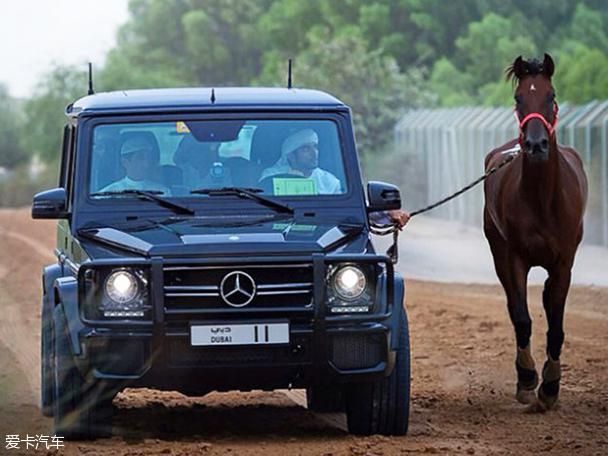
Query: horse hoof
x,y
546,402
525,396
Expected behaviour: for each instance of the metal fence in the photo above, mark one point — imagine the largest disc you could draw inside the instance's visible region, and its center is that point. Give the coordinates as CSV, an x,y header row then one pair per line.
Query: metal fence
x,y
441,150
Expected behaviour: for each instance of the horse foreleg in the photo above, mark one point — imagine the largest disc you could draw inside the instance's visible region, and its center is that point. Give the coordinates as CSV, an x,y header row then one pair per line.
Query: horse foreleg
x,y
527,378
513,276
554,302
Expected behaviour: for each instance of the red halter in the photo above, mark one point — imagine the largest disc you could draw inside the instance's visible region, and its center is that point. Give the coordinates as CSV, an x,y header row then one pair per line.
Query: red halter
x,y
537,115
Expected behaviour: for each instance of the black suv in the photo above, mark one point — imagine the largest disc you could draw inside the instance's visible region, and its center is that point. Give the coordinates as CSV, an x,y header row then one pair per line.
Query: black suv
x,y
218,239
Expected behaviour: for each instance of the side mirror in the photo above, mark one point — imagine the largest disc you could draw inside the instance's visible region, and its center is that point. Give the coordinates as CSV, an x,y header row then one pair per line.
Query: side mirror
x,y
382,197
50,204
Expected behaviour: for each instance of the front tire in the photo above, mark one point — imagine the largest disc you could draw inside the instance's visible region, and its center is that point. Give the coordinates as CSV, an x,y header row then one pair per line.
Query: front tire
x,y
382,407
82,407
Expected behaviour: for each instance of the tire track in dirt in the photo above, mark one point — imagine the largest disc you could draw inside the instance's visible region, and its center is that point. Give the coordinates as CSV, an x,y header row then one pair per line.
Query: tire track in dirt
x,y
37,247
25,250
19,335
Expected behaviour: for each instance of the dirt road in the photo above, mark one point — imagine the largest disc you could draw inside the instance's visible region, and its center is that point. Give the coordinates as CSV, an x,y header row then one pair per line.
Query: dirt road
x,y
463,380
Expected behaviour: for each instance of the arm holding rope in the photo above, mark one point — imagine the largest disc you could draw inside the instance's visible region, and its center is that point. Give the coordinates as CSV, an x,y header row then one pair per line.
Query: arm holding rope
x,y
396,217
386,223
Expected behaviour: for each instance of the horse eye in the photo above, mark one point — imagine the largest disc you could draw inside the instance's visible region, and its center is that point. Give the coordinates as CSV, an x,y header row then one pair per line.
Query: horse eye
x,y
518,99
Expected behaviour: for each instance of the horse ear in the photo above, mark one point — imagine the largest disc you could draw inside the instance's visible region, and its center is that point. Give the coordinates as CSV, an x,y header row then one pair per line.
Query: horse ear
x,y
519,67
548,66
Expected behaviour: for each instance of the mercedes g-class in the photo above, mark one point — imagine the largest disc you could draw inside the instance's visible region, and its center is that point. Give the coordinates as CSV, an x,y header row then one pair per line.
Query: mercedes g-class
x,y
215,240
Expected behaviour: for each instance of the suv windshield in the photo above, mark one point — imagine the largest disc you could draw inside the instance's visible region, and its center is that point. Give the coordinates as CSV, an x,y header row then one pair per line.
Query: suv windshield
x,y
279,157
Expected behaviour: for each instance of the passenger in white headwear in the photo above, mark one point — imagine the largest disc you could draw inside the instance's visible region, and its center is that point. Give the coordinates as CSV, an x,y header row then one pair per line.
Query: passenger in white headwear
x,y
300,156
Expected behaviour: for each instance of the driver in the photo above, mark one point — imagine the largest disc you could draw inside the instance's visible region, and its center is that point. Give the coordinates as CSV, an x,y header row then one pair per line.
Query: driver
x,y
136,157
300,156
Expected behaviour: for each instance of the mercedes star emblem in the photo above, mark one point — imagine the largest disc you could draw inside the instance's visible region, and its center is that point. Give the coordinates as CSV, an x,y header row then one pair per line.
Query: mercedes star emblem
x,y
237,289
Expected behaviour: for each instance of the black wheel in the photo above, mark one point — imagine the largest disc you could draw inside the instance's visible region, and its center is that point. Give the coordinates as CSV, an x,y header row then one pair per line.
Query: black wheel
x,y
382,407
82,408
46,360
325,399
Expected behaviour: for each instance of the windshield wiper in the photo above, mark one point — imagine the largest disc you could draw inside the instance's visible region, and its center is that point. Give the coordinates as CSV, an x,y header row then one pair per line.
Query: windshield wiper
x,y
150,195
244,192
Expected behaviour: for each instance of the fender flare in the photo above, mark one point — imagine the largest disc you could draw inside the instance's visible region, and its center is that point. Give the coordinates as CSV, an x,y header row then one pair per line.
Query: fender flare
x,y
398,310
66,295
49,275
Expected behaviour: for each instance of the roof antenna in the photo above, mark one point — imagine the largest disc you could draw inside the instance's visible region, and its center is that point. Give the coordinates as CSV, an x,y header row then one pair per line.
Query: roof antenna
x,y
212,96
91,91
289,75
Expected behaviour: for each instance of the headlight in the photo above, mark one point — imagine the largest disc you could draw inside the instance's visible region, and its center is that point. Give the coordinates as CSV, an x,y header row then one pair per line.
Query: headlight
x,y
350,282
349,289
125,294
121,287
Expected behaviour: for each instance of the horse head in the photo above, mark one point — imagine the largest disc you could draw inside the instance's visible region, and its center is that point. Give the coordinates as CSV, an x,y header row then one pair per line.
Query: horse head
x,y
535,105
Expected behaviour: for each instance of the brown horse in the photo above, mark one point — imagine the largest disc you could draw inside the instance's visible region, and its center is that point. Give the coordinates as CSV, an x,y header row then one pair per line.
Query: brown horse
x,y
533,216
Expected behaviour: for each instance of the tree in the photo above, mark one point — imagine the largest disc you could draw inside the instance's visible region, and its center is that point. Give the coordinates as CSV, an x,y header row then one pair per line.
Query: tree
x,y
366,80
489,46
475,73
588,28
451,85
11,152
411,31
187,42
45,111
582,75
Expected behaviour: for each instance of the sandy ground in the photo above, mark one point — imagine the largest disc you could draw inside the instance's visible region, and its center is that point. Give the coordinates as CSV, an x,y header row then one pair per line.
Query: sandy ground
x,y
463,380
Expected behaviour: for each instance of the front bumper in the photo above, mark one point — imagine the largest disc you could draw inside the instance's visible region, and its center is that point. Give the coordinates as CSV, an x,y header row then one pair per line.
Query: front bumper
x,y
353,354
322,348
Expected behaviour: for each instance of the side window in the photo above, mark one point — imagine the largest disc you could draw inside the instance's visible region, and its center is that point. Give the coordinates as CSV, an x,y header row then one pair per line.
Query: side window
x,y
66,175
63,167
70,176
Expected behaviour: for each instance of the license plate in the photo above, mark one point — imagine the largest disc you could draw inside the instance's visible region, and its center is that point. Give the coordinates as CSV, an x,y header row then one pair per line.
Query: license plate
x,y
240,334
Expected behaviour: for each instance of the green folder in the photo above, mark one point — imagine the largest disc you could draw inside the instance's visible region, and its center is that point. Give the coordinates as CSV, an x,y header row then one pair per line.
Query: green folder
x,y
283,186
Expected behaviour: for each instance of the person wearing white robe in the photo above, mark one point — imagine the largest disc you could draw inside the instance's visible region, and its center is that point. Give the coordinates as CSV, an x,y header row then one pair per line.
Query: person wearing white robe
x,y
300,156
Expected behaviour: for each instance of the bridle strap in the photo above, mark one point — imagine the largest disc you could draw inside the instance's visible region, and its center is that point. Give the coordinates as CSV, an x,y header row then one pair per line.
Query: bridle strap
x,y
536,115
549,126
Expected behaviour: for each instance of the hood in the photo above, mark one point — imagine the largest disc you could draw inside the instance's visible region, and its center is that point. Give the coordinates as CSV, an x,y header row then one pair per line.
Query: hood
x,y
199,237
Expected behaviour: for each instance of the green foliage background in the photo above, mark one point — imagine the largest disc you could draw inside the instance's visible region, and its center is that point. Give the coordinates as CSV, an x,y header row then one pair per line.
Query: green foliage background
x,y
379,56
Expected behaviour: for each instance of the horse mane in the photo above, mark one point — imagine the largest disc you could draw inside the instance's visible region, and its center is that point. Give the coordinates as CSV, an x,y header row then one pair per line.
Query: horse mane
x,y
530,68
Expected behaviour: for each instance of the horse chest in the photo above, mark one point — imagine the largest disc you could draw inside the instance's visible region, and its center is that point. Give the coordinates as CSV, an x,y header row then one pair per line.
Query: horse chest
x,y
538,243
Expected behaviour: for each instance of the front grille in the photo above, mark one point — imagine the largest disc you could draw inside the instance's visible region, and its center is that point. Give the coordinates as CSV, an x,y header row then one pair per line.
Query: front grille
x,y
197,289
356,351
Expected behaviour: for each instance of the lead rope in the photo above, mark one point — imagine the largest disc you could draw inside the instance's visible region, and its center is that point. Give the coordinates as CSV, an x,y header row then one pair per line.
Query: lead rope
x,y
391,228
